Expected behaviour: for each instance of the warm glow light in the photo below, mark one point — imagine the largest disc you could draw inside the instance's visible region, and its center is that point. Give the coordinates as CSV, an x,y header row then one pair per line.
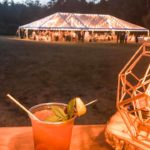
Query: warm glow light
x,y
90,22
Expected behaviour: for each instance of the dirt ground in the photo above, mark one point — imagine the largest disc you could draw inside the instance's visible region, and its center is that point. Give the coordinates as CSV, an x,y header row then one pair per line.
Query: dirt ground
x,y
37,72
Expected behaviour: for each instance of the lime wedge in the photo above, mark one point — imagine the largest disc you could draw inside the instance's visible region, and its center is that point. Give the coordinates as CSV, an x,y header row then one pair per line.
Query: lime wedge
x,y
80,107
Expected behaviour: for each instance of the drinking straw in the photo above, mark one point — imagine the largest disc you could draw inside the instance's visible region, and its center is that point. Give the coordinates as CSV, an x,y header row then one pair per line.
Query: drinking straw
x,y
91,102
21,106
29,113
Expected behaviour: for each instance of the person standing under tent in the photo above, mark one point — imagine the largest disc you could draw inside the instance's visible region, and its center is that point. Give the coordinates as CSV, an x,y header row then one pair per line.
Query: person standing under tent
x,y
118,37
82,36
122,37
86,36
126,37
34,35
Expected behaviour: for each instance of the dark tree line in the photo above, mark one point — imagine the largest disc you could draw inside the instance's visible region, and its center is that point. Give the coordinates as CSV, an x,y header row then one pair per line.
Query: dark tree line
x,y
13,14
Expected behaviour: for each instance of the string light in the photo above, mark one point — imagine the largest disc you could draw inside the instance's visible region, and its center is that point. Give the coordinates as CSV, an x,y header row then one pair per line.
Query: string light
x,y
70,21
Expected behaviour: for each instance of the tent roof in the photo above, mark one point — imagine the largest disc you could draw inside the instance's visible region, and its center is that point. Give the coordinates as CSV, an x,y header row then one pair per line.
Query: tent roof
x,y
76,21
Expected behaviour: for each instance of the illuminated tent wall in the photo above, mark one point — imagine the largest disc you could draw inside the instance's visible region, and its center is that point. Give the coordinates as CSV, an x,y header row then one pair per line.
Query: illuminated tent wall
x,y
86,22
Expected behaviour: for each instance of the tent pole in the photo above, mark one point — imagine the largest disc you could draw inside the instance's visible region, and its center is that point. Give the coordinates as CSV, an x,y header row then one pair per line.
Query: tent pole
x,y
148,33
19,33
27,34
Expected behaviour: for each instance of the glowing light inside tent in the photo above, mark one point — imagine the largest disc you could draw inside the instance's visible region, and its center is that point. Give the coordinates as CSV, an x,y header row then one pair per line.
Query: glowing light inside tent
x,y
90,22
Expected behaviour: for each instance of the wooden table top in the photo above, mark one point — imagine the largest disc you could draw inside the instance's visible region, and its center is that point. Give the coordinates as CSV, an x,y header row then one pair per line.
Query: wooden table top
x,y
84,137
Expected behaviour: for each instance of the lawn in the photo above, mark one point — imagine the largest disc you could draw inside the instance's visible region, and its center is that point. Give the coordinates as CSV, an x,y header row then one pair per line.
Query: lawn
x,y
37,72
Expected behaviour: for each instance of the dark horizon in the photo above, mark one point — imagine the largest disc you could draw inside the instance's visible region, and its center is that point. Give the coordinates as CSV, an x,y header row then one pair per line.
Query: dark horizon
x,y
30,11
43,2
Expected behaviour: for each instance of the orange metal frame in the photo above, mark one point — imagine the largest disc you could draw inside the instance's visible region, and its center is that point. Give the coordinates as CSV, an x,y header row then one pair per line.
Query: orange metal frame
x,y
133,96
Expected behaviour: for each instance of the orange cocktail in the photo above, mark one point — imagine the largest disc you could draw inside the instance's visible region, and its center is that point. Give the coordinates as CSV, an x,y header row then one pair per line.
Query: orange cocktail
x,y
49,135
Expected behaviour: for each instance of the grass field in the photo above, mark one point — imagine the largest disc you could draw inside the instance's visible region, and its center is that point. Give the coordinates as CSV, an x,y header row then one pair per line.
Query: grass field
x,y
36,72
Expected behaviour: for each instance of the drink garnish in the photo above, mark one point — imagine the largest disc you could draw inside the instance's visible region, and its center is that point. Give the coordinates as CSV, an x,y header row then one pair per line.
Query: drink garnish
x,y
80,107
58,115
59,112
75,107
71,108
53,118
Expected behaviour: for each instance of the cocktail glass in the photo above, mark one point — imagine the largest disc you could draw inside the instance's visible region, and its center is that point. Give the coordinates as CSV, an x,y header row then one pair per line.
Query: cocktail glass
x,y
50,135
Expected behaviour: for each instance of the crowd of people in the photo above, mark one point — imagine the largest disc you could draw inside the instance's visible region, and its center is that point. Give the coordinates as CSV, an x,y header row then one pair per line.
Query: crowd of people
x,y
78,36
125,37
75,36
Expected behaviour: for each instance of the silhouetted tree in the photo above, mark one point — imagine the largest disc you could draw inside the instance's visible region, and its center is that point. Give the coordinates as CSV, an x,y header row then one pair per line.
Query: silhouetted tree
x,y
13,14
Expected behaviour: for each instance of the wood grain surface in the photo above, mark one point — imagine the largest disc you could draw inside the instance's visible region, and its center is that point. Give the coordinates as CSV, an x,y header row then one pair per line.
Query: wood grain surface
x,y
84,137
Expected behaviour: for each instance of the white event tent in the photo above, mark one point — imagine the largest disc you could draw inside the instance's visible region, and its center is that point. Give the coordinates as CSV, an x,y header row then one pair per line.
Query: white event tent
x,y
86,22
